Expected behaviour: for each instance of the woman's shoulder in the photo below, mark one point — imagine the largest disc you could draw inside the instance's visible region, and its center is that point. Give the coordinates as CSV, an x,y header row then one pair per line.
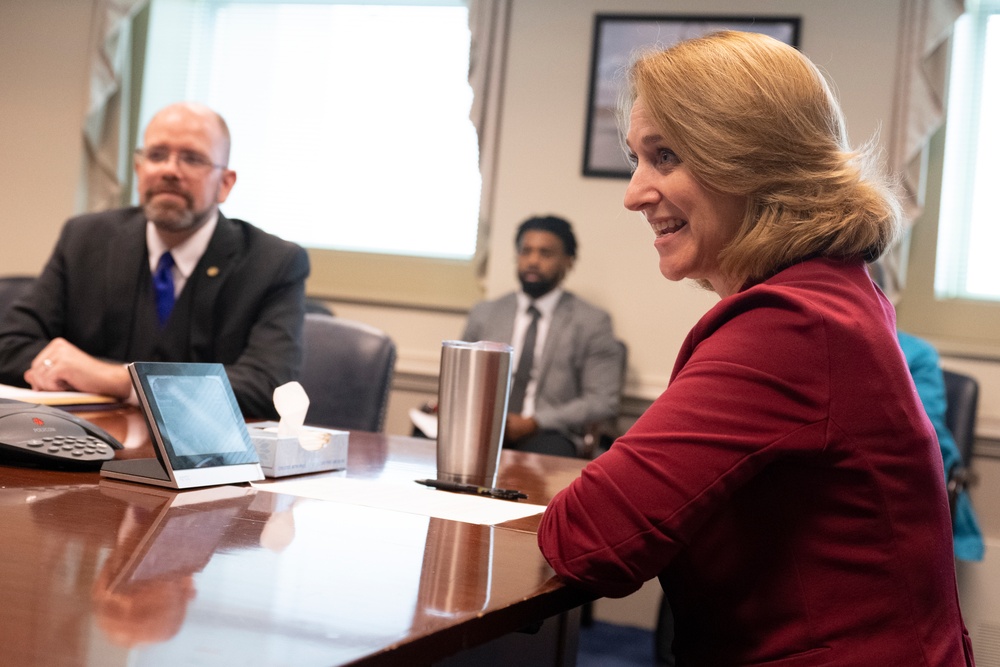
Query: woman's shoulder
x,y
834,290
808,288
801,312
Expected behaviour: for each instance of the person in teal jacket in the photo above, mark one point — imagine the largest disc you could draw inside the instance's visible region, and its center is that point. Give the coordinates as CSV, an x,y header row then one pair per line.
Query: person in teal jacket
x,y
925,367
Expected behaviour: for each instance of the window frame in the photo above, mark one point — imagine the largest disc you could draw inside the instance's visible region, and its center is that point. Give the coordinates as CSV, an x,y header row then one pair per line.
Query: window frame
x,y
958,183
959,326
424,283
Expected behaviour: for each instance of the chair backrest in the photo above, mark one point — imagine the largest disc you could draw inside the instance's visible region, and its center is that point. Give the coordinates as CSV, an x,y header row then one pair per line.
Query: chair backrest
x,y
347,371
314,305
11,289
962,393
597,437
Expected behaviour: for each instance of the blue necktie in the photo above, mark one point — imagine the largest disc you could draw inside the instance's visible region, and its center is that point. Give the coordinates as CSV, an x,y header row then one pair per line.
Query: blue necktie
x,y
163,287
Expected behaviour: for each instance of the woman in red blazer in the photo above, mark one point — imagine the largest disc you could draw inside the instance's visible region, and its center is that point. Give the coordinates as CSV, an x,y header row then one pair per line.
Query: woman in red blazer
x,y
786,488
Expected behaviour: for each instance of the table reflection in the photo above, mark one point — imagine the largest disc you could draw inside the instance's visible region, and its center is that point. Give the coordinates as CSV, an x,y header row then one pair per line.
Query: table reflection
x,y
456,576
102,572
142,591
55,537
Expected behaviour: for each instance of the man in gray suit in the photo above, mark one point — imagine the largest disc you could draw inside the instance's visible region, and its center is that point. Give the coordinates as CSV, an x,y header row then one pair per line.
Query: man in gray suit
x,y
572,373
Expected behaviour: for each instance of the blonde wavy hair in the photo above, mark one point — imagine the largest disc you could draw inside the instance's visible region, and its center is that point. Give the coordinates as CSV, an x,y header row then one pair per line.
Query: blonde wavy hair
x,y
751,116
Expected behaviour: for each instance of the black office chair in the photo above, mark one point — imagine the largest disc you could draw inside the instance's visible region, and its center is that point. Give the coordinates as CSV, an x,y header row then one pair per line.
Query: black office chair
x,y
962,393
11,289
347,371
314,305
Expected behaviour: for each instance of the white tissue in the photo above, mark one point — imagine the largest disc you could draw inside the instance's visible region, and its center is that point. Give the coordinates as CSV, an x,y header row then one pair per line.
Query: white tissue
x,y
291,402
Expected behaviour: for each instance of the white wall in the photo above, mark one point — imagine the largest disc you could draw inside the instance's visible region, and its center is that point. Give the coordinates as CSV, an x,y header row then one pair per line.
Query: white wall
x,y
43,81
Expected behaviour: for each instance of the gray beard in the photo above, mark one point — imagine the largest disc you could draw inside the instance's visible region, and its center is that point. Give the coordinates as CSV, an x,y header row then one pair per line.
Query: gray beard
x,y
173,219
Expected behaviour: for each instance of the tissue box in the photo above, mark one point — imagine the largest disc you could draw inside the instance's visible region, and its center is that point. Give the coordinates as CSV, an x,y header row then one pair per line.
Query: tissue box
x,y
315,450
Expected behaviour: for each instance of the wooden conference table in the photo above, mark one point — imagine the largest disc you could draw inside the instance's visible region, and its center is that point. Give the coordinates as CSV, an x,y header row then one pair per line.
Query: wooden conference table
x,y
98,572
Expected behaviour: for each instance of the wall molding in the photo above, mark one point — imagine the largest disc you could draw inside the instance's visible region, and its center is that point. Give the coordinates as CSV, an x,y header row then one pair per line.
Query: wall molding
x,y
418,372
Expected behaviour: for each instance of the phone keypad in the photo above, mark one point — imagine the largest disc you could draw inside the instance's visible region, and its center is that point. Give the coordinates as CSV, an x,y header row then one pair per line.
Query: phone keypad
x,y
34,435
82,447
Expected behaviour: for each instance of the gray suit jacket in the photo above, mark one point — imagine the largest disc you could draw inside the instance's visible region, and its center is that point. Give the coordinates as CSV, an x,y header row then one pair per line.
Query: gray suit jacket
x,y
580,370
242,306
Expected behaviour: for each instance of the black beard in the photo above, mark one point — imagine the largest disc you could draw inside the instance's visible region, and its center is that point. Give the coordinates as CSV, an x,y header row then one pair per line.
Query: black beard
x,y
538,288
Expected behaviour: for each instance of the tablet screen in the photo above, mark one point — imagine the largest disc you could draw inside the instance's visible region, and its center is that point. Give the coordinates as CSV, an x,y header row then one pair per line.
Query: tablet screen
x,y
192,409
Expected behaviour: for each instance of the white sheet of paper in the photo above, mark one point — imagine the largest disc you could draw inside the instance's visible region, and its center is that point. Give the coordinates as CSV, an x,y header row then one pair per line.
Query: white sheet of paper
x,y
53,397
405,496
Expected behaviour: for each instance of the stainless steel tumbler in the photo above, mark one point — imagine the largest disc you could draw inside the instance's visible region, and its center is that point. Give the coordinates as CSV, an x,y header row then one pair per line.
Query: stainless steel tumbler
x,y
472,410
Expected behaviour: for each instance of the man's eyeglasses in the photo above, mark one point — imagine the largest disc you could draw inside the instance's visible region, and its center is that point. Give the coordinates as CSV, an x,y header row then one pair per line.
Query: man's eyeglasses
x,y
188,161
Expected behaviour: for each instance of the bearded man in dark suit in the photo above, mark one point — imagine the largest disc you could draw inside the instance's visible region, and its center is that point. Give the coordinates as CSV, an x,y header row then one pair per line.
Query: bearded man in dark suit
x,y
172,280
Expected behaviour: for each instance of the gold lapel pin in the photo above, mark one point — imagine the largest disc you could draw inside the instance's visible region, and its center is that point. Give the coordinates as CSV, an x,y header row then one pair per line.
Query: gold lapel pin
x,y
212,271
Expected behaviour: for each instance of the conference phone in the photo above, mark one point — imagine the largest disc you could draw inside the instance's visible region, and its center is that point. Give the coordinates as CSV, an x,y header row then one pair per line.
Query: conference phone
x,y
43,436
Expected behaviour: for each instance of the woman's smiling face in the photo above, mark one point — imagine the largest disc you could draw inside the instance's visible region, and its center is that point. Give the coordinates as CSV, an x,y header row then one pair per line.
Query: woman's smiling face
x,y
692,224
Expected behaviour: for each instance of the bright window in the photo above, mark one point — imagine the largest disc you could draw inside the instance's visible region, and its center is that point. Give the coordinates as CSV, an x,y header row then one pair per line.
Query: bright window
x,y
969,227
350,122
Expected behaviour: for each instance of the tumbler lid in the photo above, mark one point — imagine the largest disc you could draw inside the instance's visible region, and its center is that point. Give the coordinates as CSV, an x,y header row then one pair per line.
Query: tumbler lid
x,y
487,345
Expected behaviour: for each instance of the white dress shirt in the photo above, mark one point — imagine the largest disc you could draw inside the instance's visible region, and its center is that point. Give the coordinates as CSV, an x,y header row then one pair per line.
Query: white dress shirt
x,y
186,254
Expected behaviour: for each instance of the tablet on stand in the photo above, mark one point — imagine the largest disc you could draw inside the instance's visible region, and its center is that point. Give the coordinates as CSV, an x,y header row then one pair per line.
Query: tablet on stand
x,y
197,429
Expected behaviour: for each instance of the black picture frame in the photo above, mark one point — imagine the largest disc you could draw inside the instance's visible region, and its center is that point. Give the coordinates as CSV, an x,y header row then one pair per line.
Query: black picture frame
x,y
616,39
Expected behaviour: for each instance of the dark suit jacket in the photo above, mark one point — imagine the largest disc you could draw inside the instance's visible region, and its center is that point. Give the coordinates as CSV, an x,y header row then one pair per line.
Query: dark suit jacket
x,y
242,306
580,372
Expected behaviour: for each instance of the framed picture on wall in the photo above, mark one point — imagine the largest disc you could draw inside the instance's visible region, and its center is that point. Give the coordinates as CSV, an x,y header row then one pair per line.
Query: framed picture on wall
x,y
616,38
